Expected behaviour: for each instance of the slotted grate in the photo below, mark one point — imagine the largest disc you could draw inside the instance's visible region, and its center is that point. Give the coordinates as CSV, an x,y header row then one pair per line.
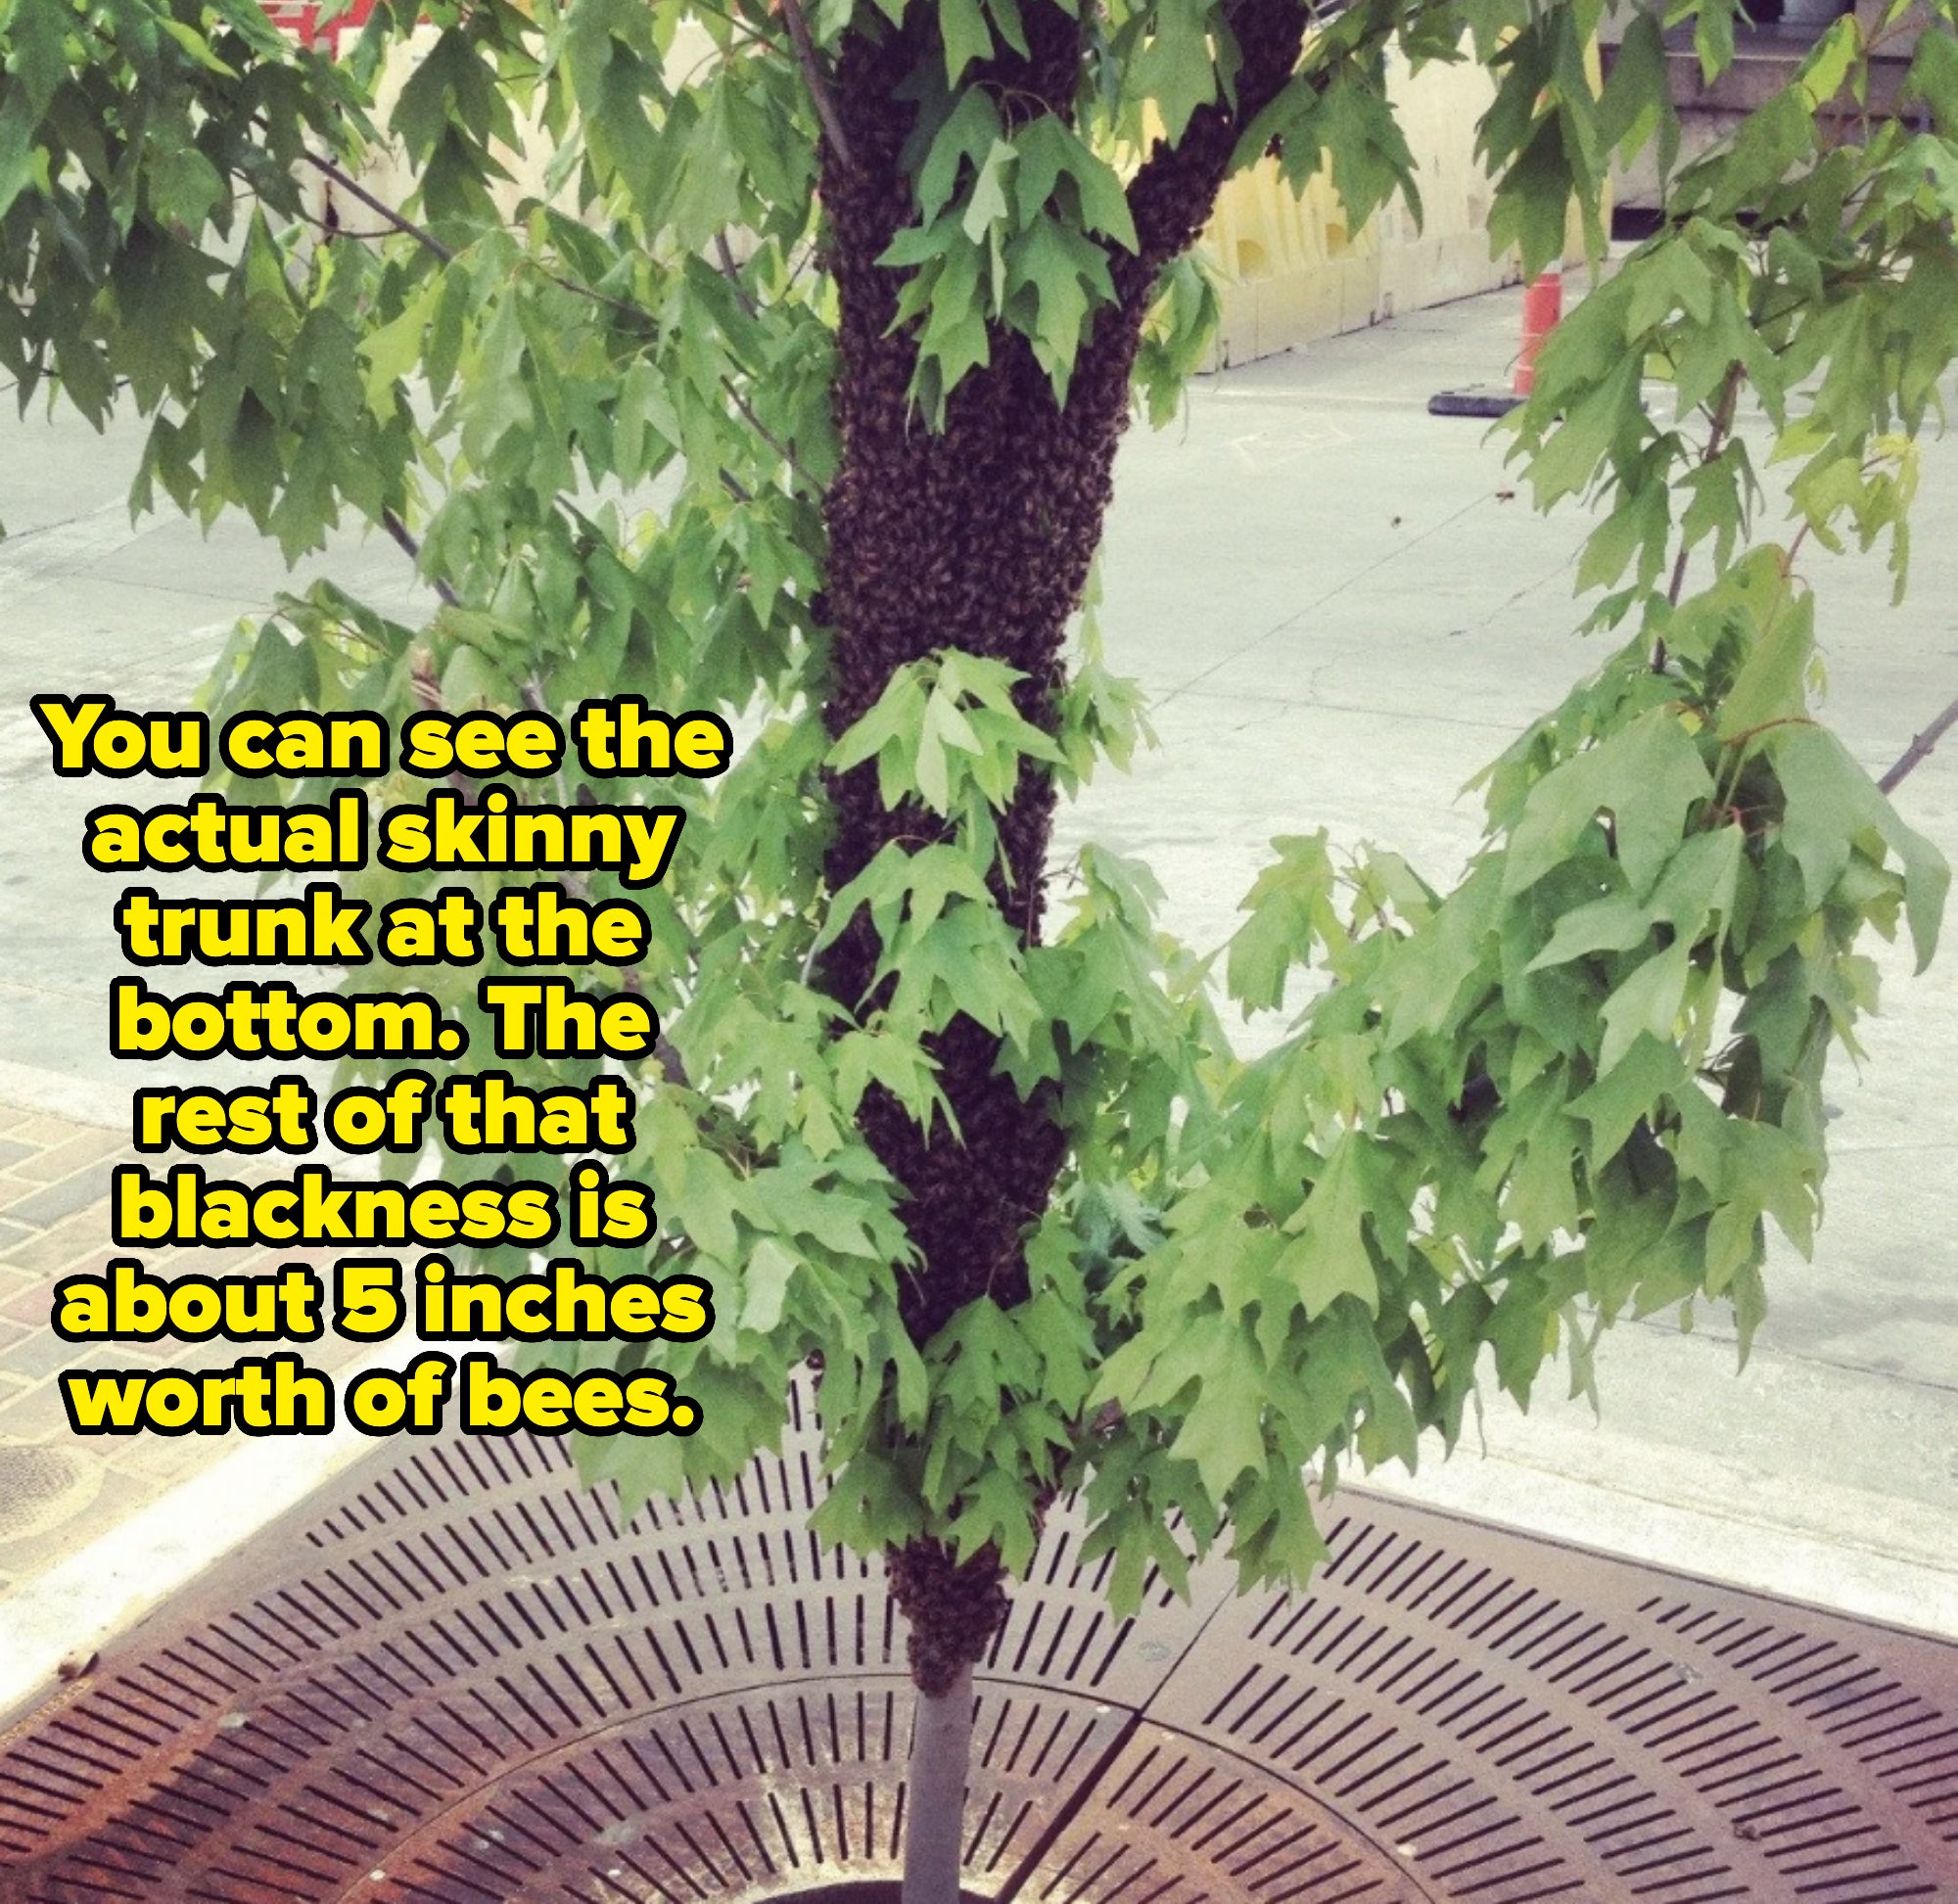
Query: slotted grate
x,y
458,1680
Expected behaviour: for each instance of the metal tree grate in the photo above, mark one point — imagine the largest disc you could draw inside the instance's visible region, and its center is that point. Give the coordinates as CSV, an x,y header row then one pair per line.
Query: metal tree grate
x,y
459,1682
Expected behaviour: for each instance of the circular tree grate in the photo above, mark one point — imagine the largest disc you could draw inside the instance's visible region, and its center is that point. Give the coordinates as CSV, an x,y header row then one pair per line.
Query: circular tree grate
x,y
460,1681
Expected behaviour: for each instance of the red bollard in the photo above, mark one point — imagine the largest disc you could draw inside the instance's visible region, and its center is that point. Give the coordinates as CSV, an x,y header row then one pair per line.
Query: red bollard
x,y
1543,305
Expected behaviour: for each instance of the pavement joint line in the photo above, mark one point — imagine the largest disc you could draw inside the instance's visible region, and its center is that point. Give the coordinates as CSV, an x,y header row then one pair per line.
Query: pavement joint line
x,y
16,538
1661,1328
147,587
1524,594
34,560
1281,703
1318,602
1308,398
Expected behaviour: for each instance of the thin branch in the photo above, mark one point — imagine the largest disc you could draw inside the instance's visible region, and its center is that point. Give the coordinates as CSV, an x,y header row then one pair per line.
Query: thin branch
x,y
399,221
799,260
1716,441
428,691
767,435
380,207
741,26
329,229
1919,750
625,306
1672,592
405,541
1766,727
819,86
732,273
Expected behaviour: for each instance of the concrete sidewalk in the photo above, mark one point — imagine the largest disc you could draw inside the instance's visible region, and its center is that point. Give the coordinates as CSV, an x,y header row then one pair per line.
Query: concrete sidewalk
x,y
1340,612
57,1490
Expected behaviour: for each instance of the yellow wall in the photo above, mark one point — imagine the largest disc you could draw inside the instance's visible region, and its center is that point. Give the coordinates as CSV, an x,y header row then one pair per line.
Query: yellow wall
x,y
1294,271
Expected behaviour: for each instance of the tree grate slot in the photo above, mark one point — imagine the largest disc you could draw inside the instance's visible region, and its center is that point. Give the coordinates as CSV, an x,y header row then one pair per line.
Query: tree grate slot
x,y
456,1678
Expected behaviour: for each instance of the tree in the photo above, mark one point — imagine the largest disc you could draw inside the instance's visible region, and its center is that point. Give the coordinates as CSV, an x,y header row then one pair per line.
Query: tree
x,y
796,399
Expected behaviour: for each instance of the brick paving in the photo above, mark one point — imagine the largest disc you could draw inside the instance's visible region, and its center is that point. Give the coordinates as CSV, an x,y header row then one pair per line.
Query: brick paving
x,y
59,1490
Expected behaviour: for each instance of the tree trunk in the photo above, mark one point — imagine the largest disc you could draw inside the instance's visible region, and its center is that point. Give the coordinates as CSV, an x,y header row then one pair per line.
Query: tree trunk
x,y
977,537
935,1792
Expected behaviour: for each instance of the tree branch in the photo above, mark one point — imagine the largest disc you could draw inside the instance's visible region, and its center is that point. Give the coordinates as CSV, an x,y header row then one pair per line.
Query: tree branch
x,y
380,207
1716,440
767,436
399,221
732,273
819,84
1172,195
1919,750
405,541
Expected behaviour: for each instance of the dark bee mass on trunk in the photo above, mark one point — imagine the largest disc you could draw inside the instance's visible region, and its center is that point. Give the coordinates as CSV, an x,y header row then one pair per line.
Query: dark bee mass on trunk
x,y
977,537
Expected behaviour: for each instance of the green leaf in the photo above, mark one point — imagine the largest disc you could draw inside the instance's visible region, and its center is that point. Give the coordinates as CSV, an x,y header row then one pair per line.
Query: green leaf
x,y
1604,421
1424,978
1714,38
1066,276
967,35
1651,1000
1699,880
765,1285
1049,150
1827,67
1932,77
1651,1069
1176,68
1223,1434
1647,776
1361,133
1614,923
987,203
1829,803
1527,1155
1637,100
1771,685
1326,1257
1291,906
1668,276
1533,198
967,135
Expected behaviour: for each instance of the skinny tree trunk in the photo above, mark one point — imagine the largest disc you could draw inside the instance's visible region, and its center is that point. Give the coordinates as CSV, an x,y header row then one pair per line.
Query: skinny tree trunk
x,y
935,1792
